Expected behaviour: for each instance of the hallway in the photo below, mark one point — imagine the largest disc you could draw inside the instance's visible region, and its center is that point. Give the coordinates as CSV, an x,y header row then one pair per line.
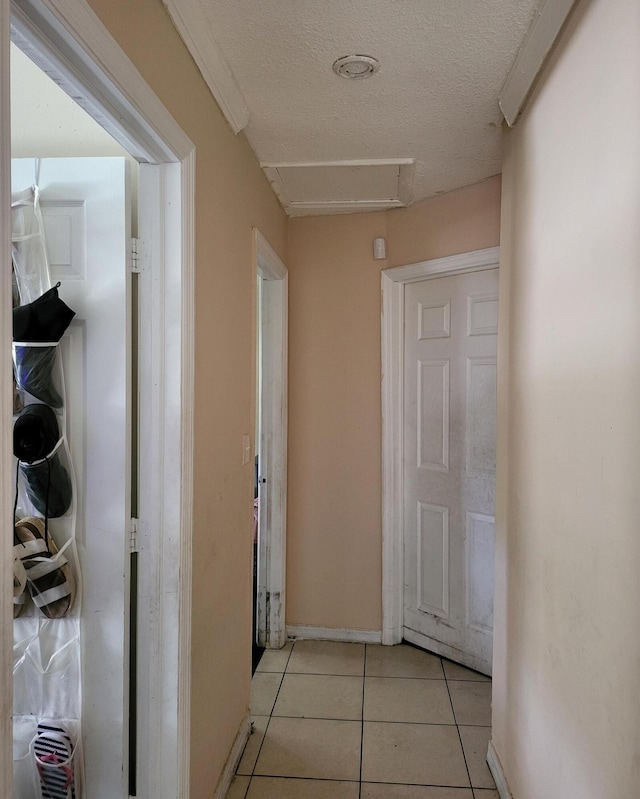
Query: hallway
x,y
356,721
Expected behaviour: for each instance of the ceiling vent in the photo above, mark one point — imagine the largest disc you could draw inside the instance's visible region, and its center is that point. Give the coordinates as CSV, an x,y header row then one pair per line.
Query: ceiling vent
x,y
356,67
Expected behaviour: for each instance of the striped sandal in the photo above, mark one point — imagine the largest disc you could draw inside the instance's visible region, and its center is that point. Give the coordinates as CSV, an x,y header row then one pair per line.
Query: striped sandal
x,y
53,750
49,578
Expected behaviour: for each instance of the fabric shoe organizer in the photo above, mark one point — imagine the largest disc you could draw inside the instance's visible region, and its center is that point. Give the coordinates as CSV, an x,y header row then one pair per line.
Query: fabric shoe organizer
x,y
47,691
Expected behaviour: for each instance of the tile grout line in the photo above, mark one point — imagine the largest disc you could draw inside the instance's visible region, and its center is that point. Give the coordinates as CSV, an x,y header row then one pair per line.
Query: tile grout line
x,y
376,676
319,673
355,782
364,682
382,721
453,710
266,730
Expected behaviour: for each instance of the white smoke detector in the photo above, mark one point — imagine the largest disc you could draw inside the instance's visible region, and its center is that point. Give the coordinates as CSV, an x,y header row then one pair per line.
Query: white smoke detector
x,y
356,66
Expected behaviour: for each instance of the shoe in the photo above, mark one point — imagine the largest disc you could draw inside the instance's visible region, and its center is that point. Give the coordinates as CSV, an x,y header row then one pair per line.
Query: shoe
x,y
37,446
54,750
49,578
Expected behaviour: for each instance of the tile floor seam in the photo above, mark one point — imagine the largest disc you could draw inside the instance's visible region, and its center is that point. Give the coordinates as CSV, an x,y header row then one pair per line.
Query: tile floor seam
x,y
266,729
464,754
480,726
253,767
399,677
423,785
414,723
315,674
383,721
307,779
364,683
348,721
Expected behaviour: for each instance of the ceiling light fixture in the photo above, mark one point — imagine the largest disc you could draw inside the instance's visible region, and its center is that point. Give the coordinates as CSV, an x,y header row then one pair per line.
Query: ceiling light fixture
x,y
356,66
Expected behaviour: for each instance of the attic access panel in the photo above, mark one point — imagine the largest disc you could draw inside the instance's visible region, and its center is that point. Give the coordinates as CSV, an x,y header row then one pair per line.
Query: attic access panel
x,y
342,186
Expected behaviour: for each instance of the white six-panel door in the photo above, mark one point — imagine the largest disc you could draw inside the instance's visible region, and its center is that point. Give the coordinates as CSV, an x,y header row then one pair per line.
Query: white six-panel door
x,y
449,464
87,221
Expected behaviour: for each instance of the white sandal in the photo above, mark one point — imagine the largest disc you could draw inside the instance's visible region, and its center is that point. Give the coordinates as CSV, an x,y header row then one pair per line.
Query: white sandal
x,y
49,578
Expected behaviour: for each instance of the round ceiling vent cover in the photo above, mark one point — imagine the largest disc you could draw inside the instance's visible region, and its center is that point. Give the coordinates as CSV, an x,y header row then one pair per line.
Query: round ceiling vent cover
x,y
356,66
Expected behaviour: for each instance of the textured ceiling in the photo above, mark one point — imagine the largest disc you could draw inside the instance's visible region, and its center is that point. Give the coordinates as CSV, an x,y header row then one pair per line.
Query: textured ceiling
x,y
434,99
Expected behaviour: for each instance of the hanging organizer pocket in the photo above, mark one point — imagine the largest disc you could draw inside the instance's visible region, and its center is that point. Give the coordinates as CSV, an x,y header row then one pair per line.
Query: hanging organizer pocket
x,y
47,652
49,576
43,459
47,759
56,753
38,372
25,631
24,772
48,484
52,670
28,246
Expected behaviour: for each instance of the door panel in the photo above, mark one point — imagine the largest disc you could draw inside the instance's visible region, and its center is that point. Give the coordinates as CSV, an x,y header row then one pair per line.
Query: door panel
x,y
86,212
449,464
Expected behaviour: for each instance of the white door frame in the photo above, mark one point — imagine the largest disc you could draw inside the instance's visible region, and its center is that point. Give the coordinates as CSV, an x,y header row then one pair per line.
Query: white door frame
x,y
71,44
272,540
6,421
393,283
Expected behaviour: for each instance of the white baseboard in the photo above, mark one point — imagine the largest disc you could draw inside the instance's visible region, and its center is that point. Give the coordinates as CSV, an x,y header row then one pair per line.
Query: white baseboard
x,y
493,761
432,645
231,765
334,634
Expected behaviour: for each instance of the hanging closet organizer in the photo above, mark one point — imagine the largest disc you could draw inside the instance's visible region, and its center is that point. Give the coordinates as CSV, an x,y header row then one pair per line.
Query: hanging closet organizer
x,y
47,691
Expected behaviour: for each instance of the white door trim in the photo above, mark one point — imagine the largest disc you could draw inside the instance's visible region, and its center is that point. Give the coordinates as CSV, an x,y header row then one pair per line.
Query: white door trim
x,y
165,509
393,283
273,543
79,52
6,422
71,44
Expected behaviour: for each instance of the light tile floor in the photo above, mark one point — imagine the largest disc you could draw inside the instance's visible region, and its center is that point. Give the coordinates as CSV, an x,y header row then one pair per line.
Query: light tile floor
x,y
349,721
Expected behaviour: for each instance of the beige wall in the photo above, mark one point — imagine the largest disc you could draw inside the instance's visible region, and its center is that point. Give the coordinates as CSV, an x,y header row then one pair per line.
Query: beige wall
x,y
334,568
459,221
232,195
334,550
566,717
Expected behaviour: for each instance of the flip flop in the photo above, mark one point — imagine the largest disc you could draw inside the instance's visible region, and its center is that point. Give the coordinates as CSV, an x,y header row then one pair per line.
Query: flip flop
x,y
49,578
53,750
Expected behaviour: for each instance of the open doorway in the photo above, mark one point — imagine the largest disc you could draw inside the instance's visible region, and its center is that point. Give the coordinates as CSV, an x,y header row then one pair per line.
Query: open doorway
x,y
271,449
82,185
257,646
161,532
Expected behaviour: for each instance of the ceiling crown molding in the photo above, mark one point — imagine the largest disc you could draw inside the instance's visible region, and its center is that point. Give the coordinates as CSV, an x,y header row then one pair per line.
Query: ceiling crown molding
x,y
193,27
536,48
